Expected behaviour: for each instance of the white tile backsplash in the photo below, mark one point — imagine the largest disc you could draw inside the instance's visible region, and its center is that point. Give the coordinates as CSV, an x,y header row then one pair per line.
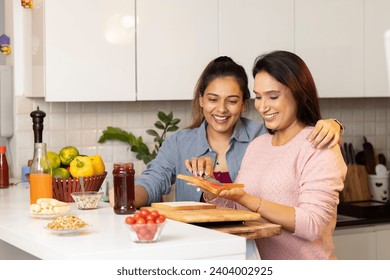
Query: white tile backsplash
x,y
81,124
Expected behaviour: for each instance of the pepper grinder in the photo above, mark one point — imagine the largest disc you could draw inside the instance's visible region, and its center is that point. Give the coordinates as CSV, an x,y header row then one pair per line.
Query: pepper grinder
x,y
37,119
40,170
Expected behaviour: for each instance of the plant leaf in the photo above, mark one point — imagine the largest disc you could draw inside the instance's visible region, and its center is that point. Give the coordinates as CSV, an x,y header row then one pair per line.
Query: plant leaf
x,y
174,122
163,117
152,132
115,133
165,123
173,128
159,125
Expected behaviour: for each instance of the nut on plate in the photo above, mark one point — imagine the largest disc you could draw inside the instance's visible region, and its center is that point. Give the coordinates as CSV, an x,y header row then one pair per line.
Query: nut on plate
x,y
87,200
67,222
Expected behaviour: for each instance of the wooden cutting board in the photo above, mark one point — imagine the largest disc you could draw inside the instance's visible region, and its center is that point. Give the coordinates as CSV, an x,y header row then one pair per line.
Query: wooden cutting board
x,y
249,229
183,205
356,184
219,214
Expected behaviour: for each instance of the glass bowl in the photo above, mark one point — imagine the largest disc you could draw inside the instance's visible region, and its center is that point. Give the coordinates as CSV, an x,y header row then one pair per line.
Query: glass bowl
x,y
145,233
87,200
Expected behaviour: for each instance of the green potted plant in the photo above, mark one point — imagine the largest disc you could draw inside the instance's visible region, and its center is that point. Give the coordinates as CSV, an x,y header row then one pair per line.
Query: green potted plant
x,y
166,123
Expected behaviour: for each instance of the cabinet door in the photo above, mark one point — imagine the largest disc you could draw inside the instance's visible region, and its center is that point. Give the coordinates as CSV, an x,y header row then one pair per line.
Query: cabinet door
x,y
383,241
355,243
377,21
329,38
176,39
248,28
88,50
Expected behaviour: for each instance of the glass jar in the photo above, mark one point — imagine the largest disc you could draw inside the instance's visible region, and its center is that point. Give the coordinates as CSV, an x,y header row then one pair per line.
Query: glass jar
x,y
4,170
40,174
124,194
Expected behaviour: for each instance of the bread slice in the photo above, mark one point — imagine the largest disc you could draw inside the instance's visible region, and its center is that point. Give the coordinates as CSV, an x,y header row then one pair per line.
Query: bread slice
x,y
208,186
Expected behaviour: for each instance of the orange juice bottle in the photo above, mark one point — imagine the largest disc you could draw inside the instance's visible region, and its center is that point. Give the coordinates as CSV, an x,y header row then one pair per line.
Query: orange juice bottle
x,y
40,175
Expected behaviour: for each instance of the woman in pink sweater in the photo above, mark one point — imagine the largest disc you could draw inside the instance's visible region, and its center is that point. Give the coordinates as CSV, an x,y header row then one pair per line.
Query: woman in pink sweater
x,y
286,180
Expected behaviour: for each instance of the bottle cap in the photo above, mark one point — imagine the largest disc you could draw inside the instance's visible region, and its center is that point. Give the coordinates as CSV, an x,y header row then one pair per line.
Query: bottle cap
x,y
37,119
2,149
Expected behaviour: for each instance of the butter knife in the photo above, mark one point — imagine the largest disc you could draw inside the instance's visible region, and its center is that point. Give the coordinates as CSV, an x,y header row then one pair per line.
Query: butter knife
x,y
210,179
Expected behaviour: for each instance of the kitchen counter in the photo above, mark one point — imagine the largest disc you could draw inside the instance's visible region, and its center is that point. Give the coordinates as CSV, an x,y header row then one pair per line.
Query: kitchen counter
x,y
108,237
350,221
362,213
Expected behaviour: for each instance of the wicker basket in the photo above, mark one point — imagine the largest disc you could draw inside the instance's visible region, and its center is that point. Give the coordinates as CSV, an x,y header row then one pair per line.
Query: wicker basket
x,y
62,188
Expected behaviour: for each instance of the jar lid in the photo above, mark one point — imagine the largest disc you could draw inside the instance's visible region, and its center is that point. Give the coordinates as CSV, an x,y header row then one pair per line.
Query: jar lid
x,y
124,164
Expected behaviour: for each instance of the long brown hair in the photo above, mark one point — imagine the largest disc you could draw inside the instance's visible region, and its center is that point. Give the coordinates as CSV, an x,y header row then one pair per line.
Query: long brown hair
x,y
220,67
290,70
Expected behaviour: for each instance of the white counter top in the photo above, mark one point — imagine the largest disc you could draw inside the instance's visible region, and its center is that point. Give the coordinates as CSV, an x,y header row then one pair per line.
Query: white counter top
x,y
108,237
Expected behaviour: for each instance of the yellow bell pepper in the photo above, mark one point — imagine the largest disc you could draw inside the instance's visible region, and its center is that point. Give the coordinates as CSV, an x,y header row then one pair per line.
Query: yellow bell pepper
x,y
98,164
81,166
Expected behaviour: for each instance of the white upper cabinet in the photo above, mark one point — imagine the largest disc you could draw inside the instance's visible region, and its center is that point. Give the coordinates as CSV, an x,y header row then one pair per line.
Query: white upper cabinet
x,y
377,21
176,39
126,50
329,38
248,28
84,50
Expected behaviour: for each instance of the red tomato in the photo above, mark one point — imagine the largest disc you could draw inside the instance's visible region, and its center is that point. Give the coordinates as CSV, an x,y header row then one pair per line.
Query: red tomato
x,y
160,219
130,220
137,215
154,213
150,221
143,232
136,228
144,212
140,220
150,217
152,229
148,236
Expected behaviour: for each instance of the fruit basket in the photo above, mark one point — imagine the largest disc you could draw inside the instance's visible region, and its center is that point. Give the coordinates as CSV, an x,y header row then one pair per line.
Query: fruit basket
x,y
62,188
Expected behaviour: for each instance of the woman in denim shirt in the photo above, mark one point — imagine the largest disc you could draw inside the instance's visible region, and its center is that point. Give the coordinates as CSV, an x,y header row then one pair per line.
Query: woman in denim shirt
x,y
218,132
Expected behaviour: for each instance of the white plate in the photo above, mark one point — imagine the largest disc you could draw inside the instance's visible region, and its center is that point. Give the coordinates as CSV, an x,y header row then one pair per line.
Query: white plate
x,y
68,231
47,216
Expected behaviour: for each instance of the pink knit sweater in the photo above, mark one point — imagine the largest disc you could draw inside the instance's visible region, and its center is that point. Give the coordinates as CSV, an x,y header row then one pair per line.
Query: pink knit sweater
x,y
297,175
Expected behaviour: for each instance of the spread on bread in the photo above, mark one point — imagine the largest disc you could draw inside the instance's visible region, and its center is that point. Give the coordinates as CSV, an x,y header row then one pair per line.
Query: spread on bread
x,y
209,186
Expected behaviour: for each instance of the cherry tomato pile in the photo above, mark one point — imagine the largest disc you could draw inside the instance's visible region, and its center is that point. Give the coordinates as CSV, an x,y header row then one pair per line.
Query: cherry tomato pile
x,y
145,223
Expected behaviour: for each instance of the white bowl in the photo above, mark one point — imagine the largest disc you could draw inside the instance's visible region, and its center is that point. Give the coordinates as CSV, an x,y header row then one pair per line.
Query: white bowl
x,y
87,200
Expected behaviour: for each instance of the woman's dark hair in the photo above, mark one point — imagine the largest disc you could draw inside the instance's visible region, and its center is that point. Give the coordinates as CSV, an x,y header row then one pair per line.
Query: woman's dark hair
x,y
220,67
290,70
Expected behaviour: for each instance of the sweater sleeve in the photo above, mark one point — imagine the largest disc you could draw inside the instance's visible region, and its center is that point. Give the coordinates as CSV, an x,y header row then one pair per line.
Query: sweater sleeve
x,y
322,178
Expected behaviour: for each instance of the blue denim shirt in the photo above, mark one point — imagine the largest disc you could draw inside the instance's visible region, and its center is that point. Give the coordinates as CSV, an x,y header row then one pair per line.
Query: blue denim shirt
x,y
161,172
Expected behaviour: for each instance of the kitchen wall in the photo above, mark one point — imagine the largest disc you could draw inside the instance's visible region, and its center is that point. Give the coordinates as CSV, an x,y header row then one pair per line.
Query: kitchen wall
x,y
81,124
2,28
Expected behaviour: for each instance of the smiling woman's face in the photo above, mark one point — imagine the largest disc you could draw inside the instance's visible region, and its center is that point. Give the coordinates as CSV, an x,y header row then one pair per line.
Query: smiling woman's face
x,y
275,102
222,105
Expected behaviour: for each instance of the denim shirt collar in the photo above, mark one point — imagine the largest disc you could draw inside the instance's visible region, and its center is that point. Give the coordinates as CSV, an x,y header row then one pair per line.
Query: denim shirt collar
x,y
240,134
